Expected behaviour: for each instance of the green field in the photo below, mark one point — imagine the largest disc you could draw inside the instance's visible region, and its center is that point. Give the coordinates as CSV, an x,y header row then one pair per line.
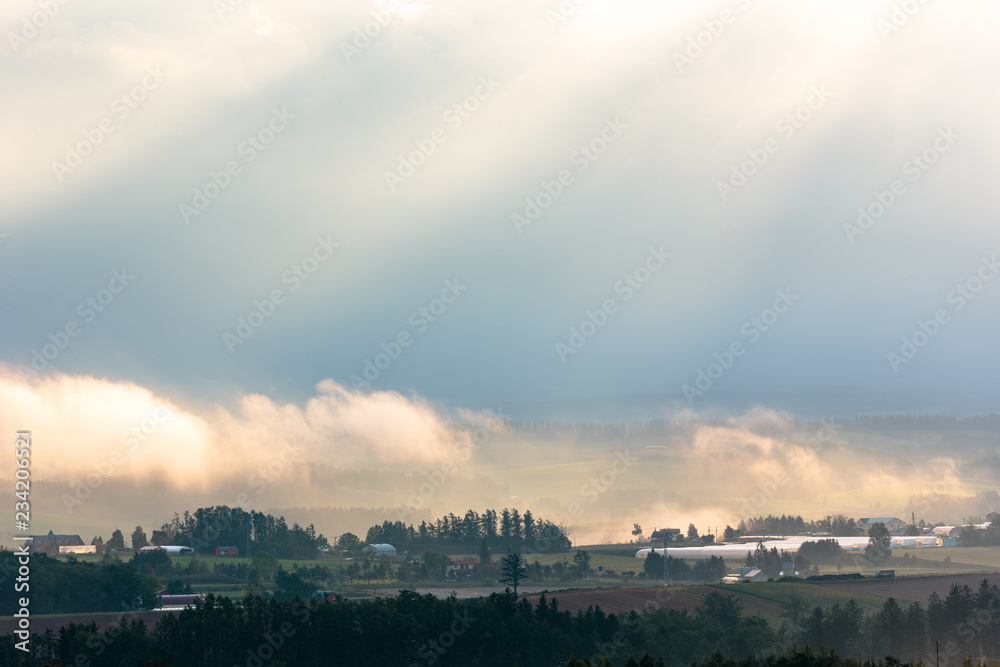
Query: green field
x,y
618,564
981,557
814,595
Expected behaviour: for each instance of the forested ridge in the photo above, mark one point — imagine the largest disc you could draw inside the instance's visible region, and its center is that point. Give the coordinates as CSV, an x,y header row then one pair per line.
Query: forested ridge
x,y
503,630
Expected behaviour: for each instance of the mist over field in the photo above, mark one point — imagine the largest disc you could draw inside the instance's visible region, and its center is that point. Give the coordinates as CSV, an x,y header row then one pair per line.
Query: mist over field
x,y
352,458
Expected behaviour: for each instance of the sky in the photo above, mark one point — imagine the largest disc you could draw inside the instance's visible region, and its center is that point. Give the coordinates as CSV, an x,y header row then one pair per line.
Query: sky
x,y
406,209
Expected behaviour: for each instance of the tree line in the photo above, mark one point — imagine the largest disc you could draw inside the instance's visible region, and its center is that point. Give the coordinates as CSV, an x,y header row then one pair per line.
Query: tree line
x,y
963,622
211,527
836,524
989,422
496,631
709,569
990,537
503,630
70,586
508,530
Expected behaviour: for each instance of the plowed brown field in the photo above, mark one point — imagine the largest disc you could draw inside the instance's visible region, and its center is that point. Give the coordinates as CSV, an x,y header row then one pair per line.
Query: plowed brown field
x,y
915,588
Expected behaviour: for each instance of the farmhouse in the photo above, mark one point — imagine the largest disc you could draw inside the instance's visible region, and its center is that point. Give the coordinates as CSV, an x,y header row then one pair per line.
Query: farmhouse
x,y
461,567
895,526
788,570
51,543
671,534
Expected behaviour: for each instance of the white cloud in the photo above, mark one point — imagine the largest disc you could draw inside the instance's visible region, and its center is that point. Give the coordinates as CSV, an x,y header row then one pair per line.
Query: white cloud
x,y
77,423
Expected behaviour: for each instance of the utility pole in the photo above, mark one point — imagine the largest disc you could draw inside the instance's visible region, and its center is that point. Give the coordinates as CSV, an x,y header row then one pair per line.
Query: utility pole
x,y
666,566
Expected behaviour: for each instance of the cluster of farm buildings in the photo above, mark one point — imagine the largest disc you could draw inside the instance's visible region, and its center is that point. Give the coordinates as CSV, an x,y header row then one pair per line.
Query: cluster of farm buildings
x,y
938,536
73,544
464,567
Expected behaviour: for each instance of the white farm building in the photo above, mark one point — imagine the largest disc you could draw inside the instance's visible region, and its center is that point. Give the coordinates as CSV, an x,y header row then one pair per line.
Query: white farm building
x,y
742,575
170,549
792,544
380,549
